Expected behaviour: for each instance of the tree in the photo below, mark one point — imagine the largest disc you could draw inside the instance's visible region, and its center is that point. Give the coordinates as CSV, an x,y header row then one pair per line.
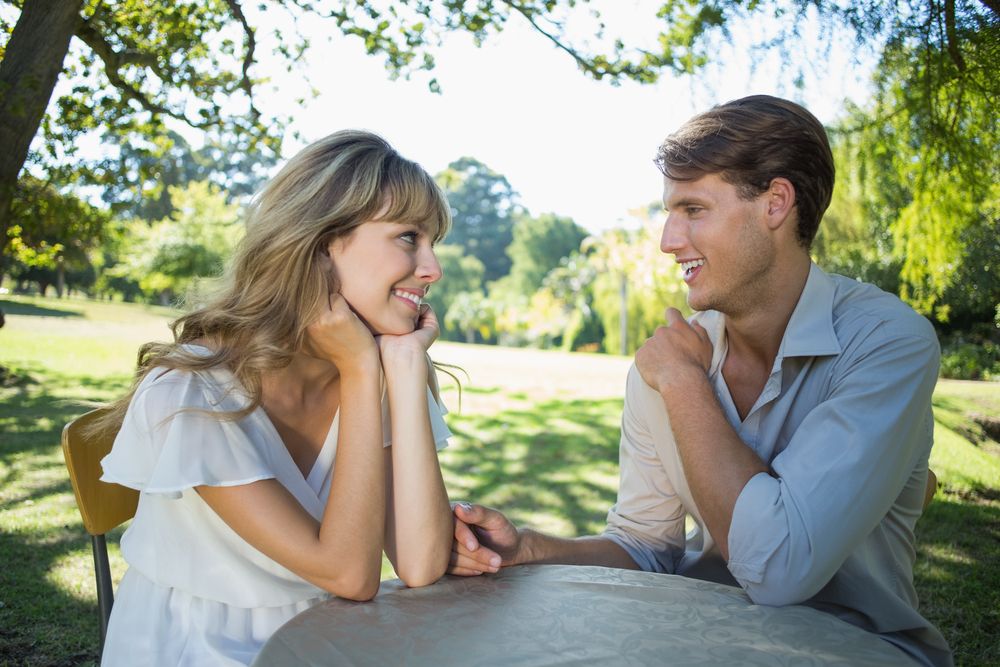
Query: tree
x,y
170,256
53,233
462,274
136,184
538,246
484,206
137,65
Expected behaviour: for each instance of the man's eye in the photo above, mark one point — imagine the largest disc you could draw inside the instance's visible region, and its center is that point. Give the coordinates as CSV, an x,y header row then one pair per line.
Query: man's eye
x,y
693,210
409,237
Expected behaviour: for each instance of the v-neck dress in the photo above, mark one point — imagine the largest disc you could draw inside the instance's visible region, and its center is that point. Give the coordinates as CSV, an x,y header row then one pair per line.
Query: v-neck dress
x,y
195,592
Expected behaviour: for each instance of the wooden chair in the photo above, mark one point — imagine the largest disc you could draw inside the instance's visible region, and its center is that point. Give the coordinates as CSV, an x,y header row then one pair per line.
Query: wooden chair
x,y
102,506
931,488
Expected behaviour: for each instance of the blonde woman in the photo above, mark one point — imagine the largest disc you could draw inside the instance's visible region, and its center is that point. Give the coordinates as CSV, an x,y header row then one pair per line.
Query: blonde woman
x,y
260,438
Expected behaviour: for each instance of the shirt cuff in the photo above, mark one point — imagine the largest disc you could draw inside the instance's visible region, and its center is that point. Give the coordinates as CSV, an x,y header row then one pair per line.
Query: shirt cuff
x,y
752,539
641,553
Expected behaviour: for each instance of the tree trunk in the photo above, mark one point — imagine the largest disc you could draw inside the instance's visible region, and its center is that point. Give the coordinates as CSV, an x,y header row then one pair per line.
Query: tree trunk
x,y
31,65
623,314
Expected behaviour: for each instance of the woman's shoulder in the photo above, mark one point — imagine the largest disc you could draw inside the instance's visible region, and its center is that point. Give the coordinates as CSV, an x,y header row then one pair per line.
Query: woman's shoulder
x,y
211,388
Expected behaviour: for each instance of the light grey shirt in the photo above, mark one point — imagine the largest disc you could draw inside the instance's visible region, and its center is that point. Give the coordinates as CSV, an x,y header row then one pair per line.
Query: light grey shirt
x,y
845,423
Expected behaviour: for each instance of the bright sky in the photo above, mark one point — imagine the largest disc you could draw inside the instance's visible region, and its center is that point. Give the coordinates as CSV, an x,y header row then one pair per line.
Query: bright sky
x,y
567,144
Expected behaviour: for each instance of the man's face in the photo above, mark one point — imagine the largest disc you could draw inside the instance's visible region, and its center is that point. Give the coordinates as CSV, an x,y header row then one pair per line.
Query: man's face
x,y
725,250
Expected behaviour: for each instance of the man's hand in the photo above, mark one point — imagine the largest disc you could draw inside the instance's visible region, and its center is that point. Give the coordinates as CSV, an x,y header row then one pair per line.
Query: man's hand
x,y
674,352
485,541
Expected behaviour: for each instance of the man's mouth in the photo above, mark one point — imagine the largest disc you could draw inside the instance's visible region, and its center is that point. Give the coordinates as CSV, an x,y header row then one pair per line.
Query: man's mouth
x,y
688,268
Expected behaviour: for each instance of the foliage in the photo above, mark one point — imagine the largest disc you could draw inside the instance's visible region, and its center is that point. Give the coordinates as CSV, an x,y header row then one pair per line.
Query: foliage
x,y
53,235
470,314
136,182
484,206
631,265
463,274
169,256
972,355
538,246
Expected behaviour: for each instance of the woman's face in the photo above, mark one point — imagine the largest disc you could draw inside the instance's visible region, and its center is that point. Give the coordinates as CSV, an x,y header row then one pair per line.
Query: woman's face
x,y
384,270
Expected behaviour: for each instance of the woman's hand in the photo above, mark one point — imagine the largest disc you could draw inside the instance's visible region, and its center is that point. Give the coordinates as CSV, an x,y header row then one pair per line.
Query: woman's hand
x,y
408,349
339,336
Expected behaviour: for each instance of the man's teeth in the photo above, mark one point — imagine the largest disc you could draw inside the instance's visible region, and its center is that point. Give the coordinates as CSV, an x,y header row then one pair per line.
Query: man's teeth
x,y
688,267
416,299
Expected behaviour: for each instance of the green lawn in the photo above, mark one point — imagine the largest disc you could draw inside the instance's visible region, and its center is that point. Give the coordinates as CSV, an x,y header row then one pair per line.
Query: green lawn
x,y
537,434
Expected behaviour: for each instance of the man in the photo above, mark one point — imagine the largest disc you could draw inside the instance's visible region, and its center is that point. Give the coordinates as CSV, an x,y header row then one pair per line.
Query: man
x,y
791,418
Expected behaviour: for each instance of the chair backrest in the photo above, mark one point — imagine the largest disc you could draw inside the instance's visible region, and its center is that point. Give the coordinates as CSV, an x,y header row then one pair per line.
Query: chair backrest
x,y
102,506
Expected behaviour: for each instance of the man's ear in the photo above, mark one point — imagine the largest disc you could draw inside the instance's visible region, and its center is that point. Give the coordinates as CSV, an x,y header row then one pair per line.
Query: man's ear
x,y
780,197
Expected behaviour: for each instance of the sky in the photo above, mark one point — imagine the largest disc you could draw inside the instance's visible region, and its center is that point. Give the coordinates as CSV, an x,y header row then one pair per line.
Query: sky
x,y
567,144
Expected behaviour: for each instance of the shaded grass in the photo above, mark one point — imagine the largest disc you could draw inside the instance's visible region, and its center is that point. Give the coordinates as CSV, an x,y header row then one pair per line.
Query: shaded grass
x,y
537,436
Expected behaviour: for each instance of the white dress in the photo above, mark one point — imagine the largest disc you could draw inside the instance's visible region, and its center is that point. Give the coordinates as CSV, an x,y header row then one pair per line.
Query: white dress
x,y
195,592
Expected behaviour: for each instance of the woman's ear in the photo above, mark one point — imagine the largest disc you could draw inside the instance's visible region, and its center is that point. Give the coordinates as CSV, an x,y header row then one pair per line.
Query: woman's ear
x,y
780,202
325,263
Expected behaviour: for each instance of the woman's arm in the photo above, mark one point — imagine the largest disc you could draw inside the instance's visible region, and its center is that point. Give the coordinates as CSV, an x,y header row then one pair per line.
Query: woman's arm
x,y
342,553
419,524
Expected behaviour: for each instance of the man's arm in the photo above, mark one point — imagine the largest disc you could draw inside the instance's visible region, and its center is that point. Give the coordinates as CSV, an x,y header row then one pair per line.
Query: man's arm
x,y
788,532
717,463
485,541
645,526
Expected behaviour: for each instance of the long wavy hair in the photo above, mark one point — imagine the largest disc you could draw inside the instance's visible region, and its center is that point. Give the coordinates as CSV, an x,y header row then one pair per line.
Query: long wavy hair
x,y
276,285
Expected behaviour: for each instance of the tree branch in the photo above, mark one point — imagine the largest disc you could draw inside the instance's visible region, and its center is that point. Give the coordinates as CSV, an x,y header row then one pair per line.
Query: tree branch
x,y
115,60
248,57
949,26
580,60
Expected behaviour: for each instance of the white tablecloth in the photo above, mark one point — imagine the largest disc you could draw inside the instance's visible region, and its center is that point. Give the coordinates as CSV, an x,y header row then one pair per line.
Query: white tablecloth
x,y
545,615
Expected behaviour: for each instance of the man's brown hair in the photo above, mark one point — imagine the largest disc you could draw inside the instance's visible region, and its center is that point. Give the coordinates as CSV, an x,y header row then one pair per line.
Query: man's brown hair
x,y
751,141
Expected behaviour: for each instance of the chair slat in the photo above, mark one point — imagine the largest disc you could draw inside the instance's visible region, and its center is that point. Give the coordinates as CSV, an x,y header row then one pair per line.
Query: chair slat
x,y
102,506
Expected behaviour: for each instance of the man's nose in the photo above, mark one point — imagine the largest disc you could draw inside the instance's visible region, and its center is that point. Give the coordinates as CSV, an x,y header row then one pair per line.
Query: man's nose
x,y
674,235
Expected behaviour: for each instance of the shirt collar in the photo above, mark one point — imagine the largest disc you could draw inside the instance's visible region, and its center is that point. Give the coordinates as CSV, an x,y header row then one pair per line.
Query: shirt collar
x,y
810,331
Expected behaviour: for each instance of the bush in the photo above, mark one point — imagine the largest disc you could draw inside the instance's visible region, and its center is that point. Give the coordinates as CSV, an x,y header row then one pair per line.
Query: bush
x,y
971,356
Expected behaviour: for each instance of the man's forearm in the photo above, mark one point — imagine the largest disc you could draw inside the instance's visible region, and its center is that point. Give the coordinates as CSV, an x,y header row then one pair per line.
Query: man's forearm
x,y
717,464
590,550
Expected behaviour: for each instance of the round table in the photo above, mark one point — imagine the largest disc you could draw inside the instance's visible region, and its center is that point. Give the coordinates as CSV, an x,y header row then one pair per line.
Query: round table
x,y
547,615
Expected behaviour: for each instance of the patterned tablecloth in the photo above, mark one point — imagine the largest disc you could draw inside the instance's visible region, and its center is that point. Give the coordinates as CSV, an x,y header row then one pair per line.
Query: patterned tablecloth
x,y
544,615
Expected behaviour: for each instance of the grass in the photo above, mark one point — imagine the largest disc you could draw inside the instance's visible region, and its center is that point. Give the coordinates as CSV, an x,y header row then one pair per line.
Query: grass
x,y
537,435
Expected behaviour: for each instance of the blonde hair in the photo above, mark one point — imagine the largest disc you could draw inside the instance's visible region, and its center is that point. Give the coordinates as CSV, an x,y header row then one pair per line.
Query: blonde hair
x,y
276,284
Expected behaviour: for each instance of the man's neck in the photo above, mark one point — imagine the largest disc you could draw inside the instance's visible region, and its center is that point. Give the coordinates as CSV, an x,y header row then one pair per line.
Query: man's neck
x,y
755,336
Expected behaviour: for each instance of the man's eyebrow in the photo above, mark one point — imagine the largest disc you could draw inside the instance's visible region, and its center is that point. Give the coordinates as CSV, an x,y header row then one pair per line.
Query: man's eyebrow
x,y
681,203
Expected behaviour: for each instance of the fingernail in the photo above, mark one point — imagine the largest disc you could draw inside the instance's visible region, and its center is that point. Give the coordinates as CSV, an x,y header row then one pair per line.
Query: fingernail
x,y
466,507
470,545
495,561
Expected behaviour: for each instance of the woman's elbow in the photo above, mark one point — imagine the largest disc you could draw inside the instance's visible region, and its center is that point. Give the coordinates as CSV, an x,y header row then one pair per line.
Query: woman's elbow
x,y
358,588
423,574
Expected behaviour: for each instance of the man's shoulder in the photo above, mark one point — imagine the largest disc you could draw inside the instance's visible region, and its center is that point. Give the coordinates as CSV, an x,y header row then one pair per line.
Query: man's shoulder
x,y
860,308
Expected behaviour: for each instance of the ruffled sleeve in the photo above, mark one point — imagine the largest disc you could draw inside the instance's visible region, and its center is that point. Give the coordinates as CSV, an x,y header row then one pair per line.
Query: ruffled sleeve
x,y
170,439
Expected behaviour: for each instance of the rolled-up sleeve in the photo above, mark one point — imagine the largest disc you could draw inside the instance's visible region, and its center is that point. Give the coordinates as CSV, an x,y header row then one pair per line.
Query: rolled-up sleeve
x,y
648,518
841,471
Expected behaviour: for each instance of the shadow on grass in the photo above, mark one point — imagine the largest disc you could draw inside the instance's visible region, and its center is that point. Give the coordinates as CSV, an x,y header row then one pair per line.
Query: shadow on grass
x,y
559,458
958,540
19,308
41,621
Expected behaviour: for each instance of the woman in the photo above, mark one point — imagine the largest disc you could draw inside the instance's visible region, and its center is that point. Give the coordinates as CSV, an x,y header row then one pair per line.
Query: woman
x,y
259,438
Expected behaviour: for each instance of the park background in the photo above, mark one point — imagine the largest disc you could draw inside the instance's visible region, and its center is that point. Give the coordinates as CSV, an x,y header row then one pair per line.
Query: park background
x,y
134,133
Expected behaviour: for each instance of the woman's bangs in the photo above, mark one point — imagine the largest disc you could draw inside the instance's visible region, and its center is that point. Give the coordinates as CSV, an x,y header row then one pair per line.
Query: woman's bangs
x,y
418,202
